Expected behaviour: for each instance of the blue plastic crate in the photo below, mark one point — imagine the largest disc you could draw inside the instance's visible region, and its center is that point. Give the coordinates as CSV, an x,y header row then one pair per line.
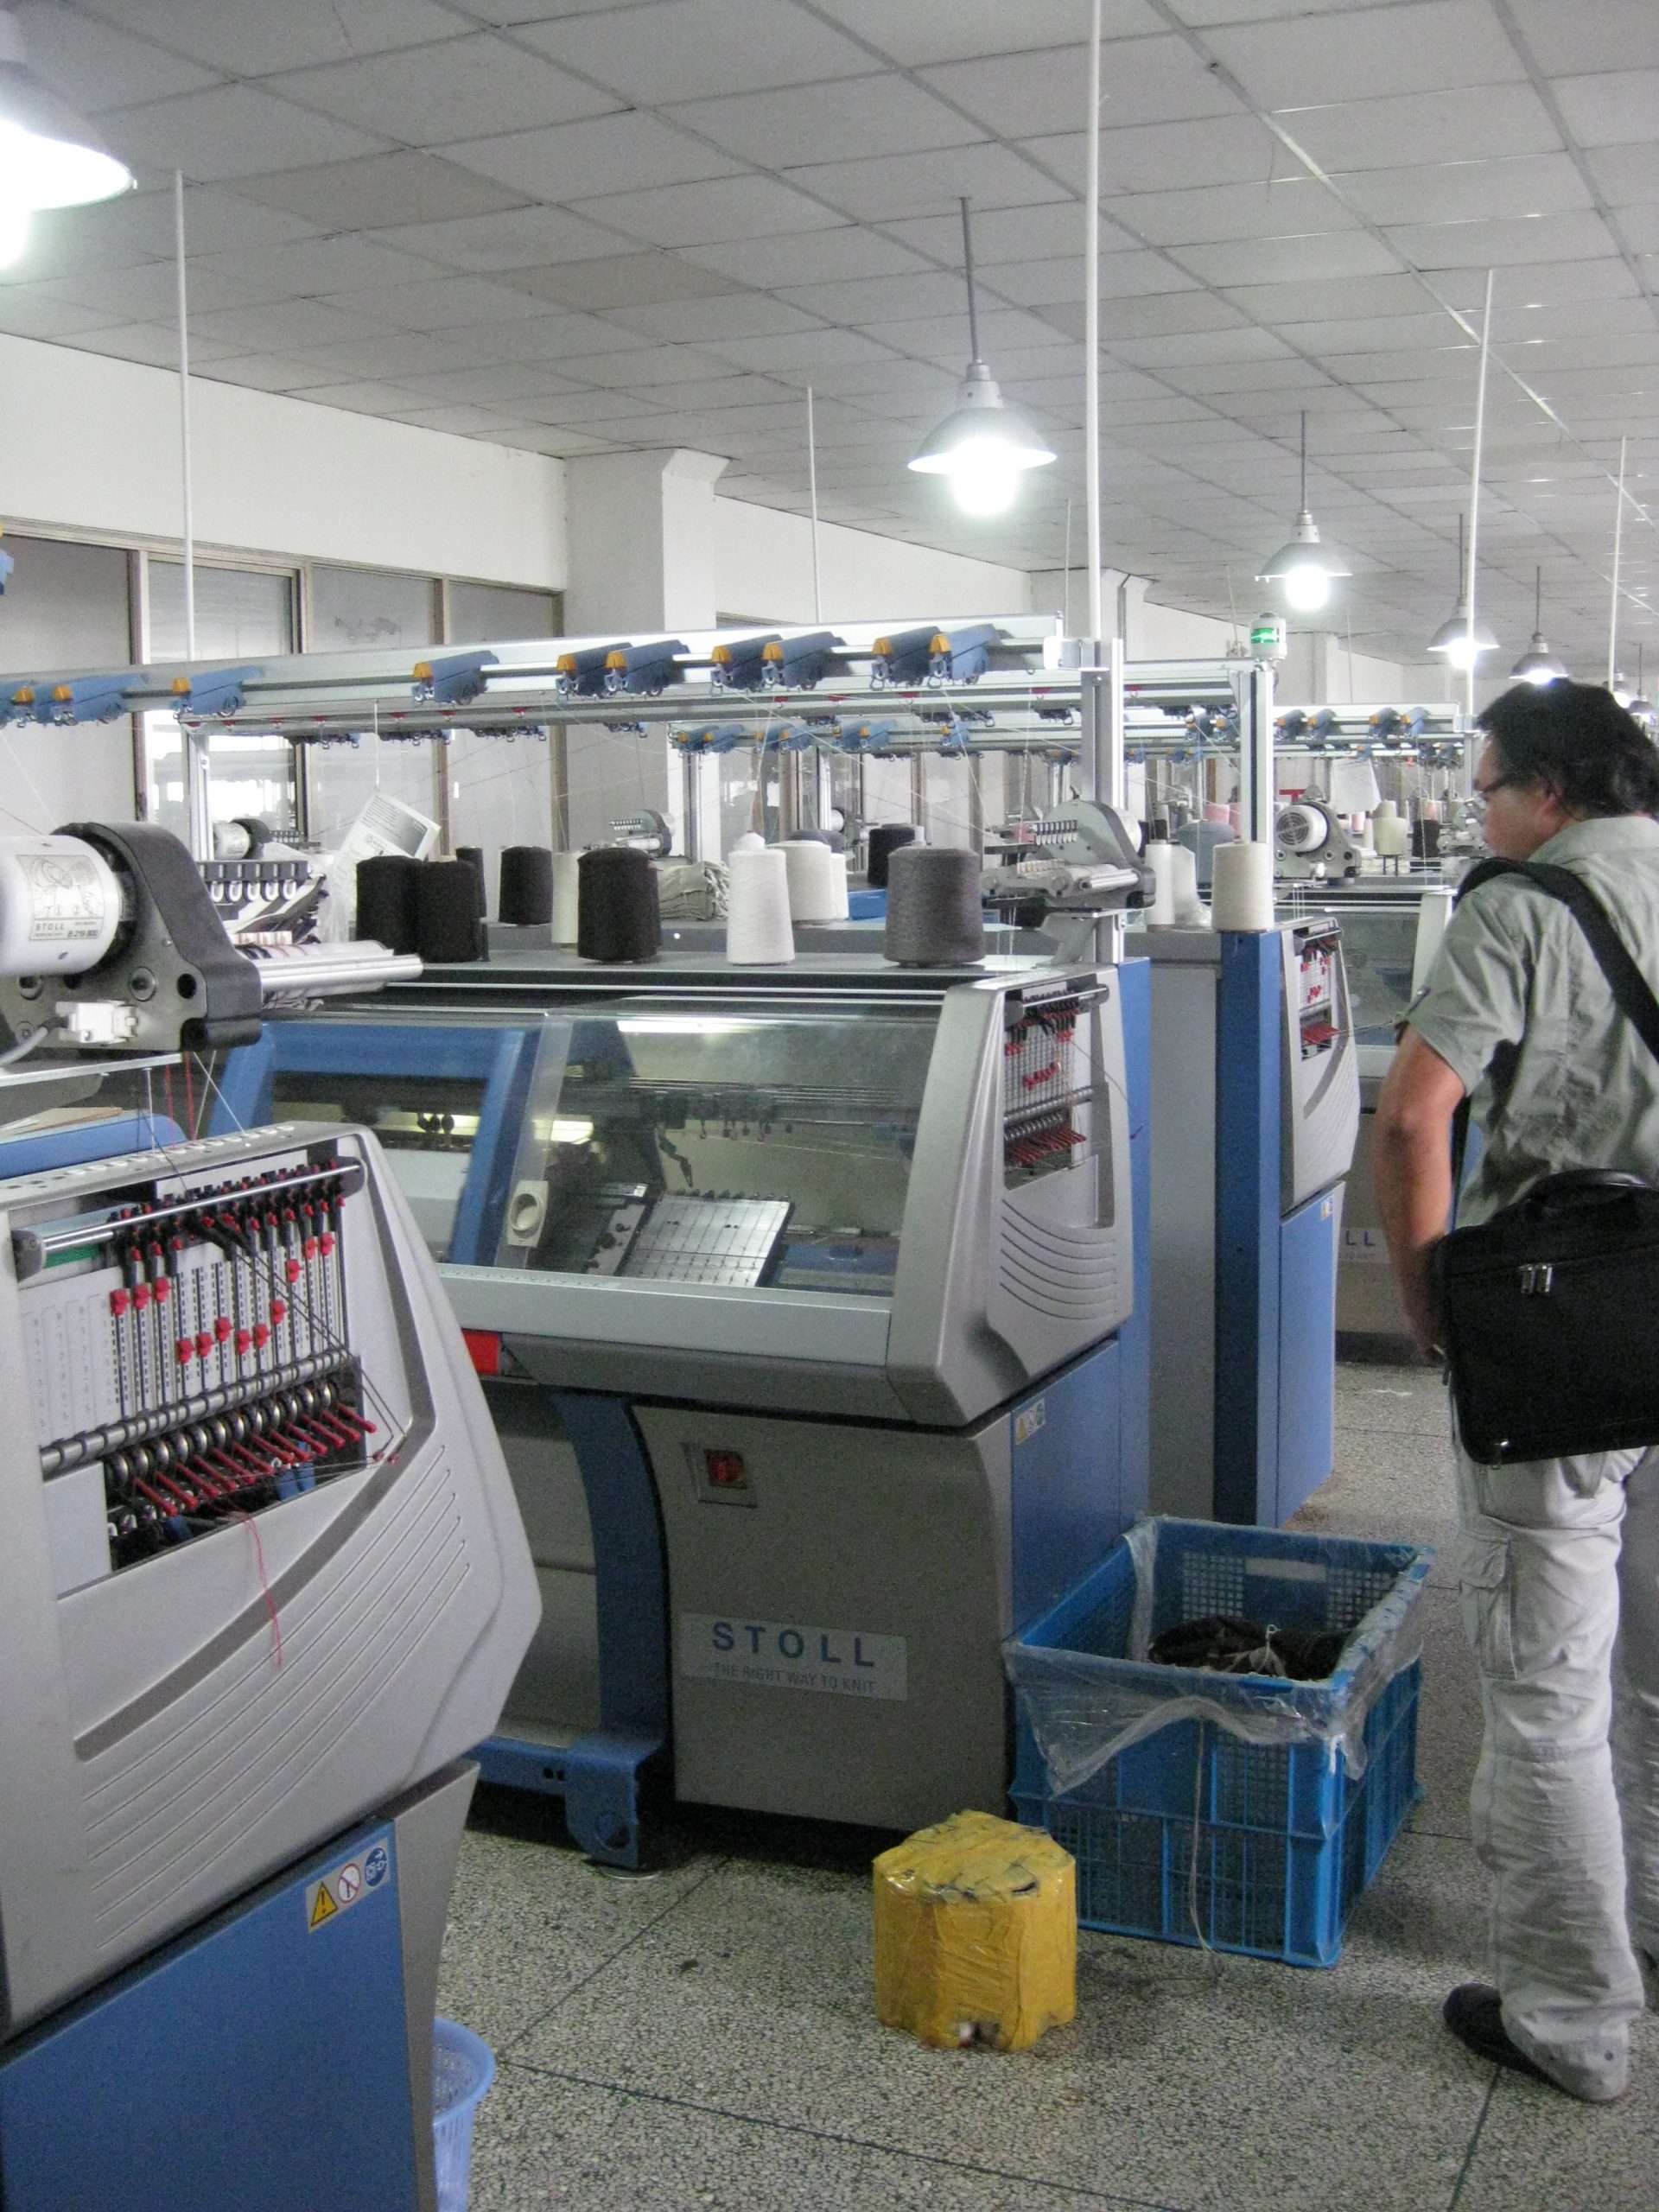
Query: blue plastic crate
x,y
1286,1838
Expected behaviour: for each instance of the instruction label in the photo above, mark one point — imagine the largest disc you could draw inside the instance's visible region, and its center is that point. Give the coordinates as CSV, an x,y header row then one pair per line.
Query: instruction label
x,y
345,1885
66,897
789,1656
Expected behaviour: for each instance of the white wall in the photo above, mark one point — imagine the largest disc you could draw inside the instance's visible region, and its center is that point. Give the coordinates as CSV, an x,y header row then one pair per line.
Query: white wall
x,y
93,446
763,569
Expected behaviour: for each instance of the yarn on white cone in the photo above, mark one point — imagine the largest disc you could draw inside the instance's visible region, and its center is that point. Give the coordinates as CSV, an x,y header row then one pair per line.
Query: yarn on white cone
x,y
1241,895
817,880
758,930
1183,888
566,880
1160,859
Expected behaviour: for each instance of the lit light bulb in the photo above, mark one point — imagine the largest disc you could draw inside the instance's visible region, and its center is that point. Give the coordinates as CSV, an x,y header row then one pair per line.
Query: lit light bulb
x,y
982,479
1463,653
1307,588
14,231
1539,676
42,172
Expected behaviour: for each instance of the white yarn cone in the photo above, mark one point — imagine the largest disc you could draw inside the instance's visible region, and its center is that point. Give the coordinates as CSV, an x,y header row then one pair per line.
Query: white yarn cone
x,y
566,883
817,880
1242,897
758,932
1393,836
1183,888
1160,859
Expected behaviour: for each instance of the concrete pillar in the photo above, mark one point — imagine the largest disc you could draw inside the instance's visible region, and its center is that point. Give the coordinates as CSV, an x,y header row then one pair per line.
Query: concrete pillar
x,y
641,535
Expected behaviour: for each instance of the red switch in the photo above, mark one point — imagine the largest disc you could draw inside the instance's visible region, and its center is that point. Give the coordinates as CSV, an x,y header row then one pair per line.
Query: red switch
x,y
726,1470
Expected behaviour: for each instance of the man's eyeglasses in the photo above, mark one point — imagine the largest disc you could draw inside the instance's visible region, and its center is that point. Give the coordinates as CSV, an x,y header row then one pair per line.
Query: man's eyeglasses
x,y
1481,798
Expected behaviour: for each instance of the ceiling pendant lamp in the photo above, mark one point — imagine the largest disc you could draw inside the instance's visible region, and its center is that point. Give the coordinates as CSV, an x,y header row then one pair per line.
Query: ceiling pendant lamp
x,y
1639,704
1459,637
1538,664
984,446
50,156
1305,567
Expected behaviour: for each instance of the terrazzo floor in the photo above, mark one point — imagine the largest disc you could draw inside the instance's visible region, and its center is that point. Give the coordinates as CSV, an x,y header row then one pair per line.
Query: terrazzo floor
x,y
707,2037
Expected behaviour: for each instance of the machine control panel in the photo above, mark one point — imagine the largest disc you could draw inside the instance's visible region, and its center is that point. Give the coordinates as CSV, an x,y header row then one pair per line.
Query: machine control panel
x,y
1318,960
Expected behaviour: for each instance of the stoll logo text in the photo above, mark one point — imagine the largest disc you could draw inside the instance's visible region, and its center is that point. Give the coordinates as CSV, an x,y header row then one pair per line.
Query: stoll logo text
x,y
790,1655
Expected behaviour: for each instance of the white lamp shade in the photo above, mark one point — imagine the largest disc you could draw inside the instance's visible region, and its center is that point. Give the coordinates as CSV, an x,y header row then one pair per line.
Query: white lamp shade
x,y
982,434
1302,551
50,156
1538,664
1461,638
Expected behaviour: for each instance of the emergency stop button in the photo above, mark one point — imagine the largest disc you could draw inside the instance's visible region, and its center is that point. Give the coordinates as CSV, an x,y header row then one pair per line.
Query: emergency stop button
x,y
725,1471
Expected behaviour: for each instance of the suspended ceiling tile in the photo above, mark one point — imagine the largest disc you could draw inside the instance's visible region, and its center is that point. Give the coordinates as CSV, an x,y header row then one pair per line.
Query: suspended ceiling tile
x,y
1245,342
1217,379
1366,335
95,65
1456,191
684,49
1168,156
1288,207
461,88
713,213
927,184
807,258
1160,314
1502,244
1027,95
1322,300
441,303
1627,175
149,292
508,386
877,114
252,37
625,280
1552,282
1281,261
806,350
231,130
401,352
379,191
580,404
1008,236
268,373
360,397
521,237
644,367
610,153
1423,127
33,311
301,323
307,267
1590,35
155,343
1639,228
462,420
565,445
1422,47
1619,108
919,294
736,315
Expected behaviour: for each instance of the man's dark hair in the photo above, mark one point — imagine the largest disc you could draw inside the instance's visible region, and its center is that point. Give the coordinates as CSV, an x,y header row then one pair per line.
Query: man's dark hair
x,y
1576,739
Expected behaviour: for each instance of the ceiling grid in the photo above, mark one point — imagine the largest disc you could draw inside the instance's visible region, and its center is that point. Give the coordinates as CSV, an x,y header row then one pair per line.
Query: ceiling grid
x,y
579,229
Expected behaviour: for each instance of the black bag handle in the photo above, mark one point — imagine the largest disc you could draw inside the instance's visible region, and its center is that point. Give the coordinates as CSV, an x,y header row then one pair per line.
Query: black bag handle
x,y
1632,995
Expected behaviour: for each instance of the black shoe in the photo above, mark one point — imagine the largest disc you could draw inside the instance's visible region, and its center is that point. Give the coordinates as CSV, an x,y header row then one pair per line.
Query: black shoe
x,y
1473,2013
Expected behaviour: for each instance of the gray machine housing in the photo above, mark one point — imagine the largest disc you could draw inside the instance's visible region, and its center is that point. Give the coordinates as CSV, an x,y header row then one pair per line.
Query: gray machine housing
x,y
1319,1126
158,1762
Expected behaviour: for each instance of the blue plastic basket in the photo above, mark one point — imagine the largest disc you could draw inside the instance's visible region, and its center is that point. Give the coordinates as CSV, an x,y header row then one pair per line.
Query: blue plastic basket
x,y
463,2066
1286,1838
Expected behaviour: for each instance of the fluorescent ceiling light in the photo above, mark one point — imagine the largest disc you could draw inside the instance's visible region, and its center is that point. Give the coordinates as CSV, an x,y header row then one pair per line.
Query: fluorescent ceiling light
x,y
984,446
1303,565
50,156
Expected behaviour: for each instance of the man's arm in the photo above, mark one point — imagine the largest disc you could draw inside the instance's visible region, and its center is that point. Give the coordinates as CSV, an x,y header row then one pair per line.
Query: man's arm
x,y
1413,1169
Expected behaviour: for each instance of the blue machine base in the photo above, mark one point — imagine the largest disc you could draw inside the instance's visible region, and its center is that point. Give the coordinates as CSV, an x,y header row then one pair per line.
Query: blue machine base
x,y
257,2064
598,1777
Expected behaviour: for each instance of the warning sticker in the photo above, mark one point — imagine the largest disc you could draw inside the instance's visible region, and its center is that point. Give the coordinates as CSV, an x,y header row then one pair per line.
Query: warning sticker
x,y
345,1885
65,896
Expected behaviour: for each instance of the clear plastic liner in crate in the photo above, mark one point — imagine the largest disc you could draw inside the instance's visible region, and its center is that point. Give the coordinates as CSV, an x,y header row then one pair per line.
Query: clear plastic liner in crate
x,y
1084,1706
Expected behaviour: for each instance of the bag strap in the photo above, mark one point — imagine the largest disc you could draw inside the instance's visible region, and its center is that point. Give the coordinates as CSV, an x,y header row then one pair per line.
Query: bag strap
x,y
1632,995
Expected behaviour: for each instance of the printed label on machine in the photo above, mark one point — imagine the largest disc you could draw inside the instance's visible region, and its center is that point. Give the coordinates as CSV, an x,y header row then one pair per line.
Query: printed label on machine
x,y
345,1885
787,1656
65,896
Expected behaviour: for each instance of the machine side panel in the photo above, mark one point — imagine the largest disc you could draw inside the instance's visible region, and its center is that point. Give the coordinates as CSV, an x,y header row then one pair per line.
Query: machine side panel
x,y
1320,1089
261,2063
1067,1479
1307,1351
1246,1085
837,1615
1184,1192
1134,1337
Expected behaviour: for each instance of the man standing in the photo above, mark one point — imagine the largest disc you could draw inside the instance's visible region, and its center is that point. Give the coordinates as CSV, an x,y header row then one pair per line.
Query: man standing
x,y
1560,1574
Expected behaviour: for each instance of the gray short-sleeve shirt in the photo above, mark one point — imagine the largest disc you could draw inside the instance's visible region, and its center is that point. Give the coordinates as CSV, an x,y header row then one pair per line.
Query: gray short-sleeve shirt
x,y
1516,1006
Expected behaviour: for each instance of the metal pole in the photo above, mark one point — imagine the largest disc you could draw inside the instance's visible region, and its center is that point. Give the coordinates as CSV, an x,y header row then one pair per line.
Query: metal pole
x,y
1474,489
1257,796
812,486
1618,545
968,272
1091,337
197,777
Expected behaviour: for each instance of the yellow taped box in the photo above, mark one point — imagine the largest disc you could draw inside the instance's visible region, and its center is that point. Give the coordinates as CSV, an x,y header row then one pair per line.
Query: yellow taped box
x,y
976,1934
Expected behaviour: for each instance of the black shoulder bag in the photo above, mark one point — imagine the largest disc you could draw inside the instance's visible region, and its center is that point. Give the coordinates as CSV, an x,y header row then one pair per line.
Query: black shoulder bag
x,y
1550,1310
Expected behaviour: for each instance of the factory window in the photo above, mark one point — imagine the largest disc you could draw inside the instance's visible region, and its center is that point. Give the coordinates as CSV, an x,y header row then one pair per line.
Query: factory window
x,y
481,611
66,610
369,610
242,615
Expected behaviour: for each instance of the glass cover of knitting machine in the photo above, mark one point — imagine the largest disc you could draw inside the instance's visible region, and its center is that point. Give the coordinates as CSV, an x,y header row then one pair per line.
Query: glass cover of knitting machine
x,y
1378,944
702,1143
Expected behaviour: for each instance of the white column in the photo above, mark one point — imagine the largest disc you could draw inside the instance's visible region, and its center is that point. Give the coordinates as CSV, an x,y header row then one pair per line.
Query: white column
x,y
641,539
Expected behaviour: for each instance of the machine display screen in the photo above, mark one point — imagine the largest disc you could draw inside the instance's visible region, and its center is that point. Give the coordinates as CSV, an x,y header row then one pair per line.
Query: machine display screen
x,y
701,1143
